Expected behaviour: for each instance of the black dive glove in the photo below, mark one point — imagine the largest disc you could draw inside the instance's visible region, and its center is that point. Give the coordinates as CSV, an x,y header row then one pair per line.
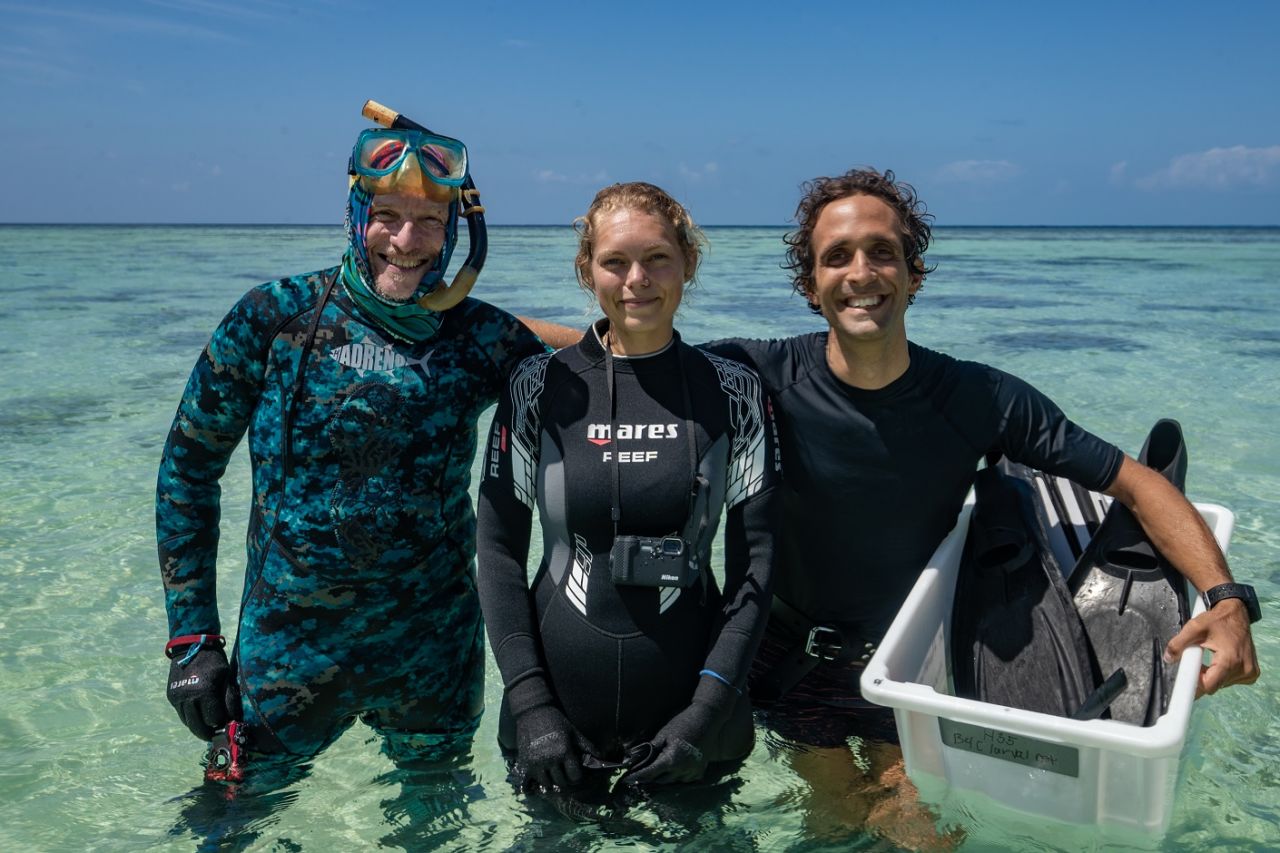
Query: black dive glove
x,y
547,751
679,746
201,688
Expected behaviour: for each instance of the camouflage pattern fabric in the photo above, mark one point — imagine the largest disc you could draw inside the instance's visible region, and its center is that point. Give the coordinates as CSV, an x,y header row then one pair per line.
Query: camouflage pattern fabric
x,y
359,596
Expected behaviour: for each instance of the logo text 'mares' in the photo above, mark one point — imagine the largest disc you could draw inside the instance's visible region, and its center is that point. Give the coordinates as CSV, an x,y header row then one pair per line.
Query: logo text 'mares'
x,y
601,434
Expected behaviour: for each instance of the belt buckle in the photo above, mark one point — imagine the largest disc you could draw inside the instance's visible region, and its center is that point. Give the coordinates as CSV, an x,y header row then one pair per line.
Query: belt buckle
x,y
823,643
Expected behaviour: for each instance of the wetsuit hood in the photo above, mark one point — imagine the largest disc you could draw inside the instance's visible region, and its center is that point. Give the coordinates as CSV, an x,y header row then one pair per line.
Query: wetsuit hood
x,y
407,321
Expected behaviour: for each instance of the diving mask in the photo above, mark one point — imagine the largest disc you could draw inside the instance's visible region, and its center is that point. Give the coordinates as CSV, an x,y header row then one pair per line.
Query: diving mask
x,y
381,161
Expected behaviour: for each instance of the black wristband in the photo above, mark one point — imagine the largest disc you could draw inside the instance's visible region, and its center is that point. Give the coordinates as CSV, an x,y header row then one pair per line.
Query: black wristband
x,y
1242,591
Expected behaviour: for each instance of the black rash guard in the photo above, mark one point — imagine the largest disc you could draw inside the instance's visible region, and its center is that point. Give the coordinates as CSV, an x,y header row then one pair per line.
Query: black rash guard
x,y
621,661
875,479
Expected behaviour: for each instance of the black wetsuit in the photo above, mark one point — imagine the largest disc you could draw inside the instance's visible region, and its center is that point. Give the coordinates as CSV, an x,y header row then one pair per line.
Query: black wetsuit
x,y
621,661
875,479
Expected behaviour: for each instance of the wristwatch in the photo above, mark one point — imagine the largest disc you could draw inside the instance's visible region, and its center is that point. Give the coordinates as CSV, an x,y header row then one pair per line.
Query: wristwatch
x,y
1235,590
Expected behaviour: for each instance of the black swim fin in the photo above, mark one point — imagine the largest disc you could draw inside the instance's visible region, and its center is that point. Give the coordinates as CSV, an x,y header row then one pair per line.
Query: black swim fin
x,y
1070,515
1131,600
1016,639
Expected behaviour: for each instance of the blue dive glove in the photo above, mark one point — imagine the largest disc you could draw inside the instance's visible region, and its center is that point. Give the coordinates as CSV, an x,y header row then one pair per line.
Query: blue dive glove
x,y
201,688
547,752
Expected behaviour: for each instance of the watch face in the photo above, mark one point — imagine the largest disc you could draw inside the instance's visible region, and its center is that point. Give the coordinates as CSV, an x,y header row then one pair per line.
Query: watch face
x,y
1251,603
1244,592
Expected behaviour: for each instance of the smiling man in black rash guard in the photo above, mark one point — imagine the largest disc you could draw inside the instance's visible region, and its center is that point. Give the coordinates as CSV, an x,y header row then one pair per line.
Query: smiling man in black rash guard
x,y
882,438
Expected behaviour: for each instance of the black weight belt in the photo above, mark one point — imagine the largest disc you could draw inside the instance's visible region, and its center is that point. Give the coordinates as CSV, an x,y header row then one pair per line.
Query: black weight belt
x,y
813,644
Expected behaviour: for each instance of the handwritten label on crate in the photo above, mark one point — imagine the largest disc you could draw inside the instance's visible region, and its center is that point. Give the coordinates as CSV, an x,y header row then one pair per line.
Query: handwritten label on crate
x,y
1018,749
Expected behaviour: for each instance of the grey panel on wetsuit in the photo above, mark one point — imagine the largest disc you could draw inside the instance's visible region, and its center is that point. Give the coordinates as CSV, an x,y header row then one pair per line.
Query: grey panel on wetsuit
x,y
717,477
556,546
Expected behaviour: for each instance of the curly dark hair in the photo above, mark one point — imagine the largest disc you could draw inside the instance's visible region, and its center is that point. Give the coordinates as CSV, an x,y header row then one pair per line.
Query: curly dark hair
x,y
914,221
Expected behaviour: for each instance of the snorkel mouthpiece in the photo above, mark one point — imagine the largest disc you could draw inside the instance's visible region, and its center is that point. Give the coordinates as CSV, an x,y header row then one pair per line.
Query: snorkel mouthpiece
x,y
409,178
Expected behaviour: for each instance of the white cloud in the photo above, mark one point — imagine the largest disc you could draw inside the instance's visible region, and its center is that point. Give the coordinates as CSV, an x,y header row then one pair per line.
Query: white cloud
x,y
550,176
223,9
979,170
707,170
1118,171
100,19
20,64
1218,169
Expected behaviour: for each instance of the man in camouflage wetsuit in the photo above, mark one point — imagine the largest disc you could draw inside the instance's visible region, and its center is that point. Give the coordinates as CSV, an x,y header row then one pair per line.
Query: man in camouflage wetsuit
x,y
361,408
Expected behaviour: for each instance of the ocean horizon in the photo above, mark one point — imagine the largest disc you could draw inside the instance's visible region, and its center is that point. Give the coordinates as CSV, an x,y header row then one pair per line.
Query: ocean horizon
x,y
936,227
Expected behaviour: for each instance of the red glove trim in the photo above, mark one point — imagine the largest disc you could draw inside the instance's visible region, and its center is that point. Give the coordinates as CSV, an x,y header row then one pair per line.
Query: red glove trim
x,y
170,648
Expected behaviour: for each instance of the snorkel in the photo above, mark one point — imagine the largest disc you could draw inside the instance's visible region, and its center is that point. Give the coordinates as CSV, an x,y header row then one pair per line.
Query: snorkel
x,y
445,297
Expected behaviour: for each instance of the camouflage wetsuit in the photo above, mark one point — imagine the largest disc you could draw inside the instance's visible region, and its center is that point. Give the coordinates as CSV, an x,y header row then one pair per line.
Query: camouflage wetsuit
x,y
359,595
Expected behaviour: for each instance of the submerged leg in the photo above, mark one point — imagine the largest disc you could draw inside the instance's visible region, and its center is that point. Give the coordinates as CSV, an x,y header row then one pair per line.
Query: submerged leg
x,y
864,788
431,786
845,751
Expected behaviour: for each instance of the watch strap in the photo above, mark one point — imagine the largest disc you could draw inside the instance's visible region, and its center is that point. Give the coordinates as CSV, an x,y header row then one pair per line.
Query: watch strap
x,y
1242,591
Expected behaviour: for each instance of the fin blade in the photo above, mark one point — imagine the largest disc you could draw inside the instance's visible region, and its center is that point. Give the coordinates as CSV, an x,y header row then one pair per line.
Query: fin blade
x,y
1130,599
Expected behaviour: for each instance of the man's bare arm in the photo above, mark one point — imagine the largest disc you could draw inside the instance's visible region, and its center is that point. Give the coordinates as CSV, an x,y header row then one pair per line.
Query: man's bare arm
x,y
1181,535
553,334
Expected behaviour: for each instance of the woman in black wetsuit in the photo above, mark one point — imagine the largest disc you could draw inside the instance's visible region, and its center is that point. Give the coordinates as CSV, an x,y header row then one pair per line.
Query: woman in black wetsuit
x,y
624,650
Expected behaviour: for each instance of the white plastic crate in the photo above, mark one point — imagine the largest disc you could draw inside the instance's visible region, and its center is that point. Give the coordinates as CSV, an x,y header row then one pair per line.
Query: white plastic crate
x,y
1098,772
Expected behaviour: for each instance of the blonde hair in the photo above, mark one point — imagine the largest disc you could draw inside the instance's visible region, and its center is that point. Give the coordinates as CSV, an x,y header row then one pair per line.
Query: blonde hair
x,y
647,198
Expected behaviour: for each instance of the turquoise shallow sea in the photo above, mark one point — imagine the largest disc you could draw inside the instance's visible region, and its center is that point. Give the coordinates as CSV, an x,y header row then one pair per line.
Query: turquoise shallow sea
x,y
100,325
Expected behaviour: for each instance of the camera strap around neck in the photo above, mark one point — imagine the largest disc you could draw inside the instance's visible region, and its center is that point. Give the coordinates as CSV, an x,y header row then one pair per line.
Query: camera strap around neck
x,y
615,512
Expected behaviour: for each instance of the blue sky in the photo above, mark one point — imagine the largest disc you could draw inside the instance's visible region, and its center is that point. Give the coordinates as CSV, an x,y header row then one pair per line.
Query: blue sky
x,y
1019,114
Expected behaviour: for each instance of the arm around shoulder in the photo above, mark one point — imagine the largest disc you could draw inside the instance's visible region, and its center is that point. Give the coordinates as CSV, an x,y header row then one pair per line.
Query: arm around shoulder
x,y
553,335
